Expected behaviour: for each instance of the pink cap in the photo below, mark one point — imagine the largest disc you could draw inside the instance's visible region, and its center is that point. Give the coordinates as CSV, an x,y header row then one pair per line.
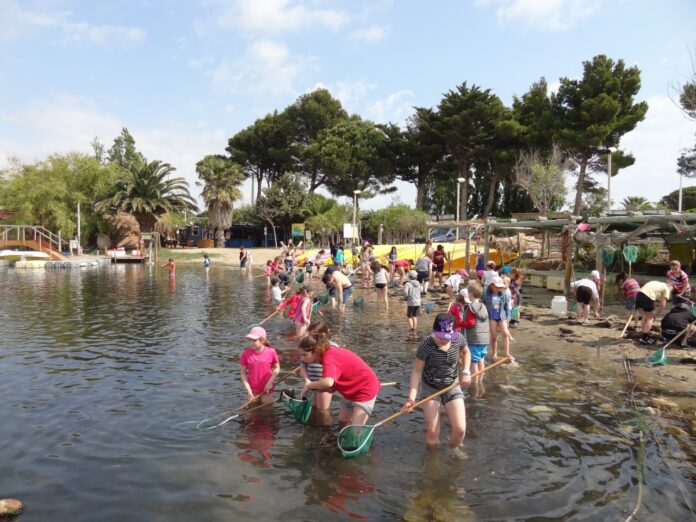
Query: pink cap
x,y
256,333
463,272
498,282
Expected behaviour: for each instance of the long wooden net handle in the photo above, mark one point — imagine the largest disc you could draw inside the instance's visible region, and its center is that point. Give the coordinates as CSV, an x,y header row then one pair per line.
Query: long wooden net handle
x,y
627,323
443,390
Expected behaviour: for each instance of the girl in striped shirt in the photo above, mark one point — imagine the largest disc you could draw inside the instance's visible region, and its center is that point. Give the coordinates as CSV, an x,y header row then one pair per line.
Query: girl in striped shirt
x,y
311,372
629,287
435,368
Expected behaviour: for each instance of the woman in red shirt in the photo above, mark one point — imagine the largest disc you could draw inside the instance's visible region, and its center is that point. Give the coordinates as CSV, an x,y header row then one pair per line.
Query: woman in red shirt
x,y
344,372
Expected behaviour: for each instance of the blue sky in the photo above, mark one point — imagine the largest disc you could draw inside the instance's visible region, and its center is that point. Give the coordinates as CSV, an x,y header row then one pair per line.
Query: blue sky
x,y
185,75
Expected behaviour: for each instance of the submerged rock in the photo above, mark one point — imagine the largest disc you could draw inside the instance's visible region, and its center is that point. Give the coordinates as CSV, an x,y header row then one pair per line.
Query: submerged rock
x,y
567,395
509,388
10,507
692,428
663,404
676,431
566,428
540,409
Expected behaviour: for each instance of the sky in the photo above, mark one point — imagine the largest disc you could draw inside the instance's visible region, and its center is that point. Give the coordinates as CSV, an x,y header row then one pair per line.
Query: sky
x,y
184,76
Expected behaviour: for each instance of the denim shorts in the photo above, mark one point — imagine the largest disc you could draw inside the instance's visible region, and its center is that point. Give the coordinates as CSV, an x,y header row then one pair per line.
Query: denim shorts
x,y
453,394
367,406
346,293
478,352
631,302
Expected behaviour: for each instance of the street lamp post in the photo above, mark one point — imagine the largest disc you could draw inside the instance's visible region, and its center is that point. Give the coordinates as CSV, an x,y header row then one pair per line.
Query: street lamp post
x,y
459,186
609,151
356,193
680,192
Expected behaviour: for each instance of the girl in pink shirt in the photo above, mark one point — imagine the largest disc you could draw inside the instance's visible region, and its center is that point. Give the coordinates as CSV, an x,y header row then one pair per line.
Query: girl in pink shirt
x,y
259,366
344,372
303,312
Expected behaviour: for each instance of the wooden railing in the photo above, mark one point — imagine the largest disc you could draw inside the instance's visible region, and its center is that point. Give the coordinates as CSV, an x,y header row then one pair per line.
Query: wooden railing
x,y
46,239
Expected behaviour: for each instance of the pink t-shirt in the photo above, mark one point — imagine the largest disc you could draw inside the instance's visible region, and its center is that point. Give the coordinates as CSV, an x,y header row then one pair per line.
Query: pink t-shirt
x,y
259,366
353,378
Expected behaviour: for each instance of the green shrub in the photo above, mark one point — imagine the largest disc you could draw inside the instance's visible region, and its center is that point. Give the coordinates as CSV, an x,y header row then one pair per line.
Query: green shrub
x,y
647,252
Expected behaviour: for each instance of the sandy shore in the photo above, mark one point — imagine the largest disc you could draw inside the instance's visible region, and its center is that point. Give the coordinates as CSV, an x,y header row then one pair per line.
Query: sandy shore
x,y
223,256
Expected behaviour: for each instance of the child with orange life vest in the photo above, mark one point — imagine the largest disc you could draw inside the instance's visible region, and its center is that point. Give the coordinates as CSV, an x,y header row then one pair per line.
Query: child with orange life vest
x,y
259,366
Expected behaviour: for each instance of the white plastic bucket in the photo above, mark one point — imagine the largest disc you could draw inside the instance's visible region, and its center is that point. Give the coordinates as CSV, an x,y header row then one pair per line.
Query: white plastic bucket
x,y
559,306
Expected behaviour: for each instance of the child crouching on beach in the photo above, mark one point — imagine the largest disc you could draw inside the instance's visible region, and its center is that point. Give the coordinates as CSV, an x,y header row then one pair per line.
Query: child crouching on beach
x,y
259,366
435,368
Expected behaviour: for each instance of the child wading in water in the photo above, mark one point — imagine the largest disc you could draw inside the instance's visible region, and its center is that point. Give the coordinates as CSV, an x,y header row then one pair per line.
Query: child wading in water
x,y
171,266
380,276
435,368
259,366
206,261
342,371
412,294
303,311
312,372
498,303
477,336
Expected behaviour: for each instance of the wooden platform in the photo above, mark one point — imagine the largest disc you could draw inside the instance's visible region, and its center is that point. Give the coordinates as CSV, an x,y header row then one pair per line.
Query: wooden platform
x,y
128,259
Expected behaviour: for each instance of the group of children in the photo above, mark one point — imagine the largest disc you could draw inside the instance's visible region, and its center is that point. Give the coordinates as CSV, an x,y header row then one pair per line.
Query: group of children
x,y
647,302
445,358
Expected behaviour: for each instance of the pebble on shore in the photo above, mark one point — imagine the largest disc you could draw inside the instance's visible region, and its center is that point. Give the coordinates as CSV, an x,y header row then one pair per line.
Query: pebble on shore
x,y
10,507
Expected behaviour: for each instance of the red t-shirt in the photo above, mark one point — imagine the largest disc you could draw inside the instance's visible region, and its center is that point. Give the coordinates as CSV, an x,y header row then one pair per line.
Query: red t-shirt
x,y
259,366
292,301
439,257
456,311
353,378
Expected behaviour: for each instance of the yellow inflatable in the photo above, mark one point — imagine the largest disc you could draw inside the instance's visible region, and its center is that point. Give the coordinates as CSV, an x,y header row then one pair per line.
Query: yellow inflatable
x,y
456,254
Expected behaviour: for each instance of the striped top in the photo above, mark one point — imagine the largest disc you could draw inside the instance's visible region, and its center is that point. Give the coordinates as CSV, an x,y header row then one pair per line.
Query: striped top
x,y
680,281
630,287
440,366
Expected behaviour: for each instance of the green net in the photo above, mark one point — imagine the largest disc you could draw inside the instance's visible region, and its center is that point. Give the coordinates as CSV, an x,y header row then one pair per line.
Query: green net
x,y
323,297
359,301
657,358
299,278
355,440
607,254
315,308
428,307
515,315
630,253
301,409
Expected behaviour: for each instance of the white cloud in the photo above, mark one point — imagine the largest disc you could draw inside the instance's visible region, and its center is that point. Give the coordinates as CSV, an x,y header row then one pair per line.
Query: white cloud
x,y
265,68
68,124
16,23
656,143
374,33
554,15
276,16
351,93
395,108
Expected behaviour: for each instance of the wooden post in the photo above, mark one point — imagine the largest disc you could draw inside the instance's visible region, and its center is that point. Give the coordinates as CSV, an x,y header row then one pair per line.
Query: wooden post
x,y
467,265
519,245
569,262
486,242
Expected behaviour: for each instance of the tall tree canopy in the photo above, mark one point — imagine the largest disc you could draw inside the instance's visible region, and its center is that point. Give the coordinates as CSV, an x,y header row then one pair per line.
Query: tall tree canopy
x,y
593,113
147,191
467,127
221,179
355,155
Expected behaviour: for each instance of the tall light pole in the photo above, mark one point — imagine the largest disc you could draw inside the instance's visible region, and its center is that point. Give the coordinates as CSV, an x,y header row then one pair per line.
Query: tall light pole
x,y
609,151
356,193
459,186
680,192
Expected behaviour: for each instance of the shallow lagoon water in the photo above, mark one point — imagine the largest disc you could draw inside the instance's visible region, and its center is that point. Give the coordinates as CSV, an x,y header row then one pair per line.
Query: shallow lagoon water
x,y
105,372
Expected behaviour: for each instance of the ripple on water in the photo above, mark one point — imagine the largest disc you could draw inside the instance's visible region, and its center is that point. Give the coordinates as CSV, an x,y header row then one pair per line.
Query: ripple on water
x,y
106,374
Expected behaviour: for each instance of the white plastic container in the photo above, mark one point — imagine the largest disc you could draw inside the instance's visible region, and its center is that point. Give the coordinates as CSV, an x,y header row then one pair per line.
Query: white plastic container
x,y
559,306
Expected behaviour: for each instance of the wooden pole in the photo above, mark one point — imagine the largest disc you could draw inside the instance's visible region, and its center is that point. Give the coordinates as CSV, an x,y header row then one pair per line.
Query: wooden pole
x,y
486,242
467,265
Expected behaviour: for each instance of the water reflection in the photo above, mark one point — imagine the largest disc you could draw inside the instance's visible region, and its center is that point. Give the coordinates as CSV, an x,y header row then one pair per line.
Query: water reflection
x,y
104,374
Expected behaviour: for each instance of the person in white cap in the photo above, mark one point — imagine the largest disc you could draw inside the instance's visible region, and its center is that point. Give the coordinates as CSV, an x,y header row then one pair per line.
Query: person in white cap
x,y
586,292
499,307
412,294
453,282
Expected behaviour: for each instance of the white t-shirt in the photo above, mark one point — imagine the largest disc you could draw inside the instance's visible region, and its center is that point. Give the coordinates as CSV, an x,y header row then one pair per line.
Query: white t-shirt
x,y
276,296
454,281
589,284
488,276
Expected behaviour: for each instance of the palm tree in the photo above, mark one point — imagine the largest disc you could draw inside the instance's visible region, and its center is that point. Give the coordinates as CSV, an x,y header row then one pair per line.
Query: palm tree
x,y
221,179
147,192
636,203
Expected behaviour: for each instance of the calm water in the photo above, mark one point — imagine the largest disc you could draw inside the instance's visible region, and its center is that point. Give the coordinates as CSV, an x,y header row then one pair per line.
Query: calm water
x,y
105,372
